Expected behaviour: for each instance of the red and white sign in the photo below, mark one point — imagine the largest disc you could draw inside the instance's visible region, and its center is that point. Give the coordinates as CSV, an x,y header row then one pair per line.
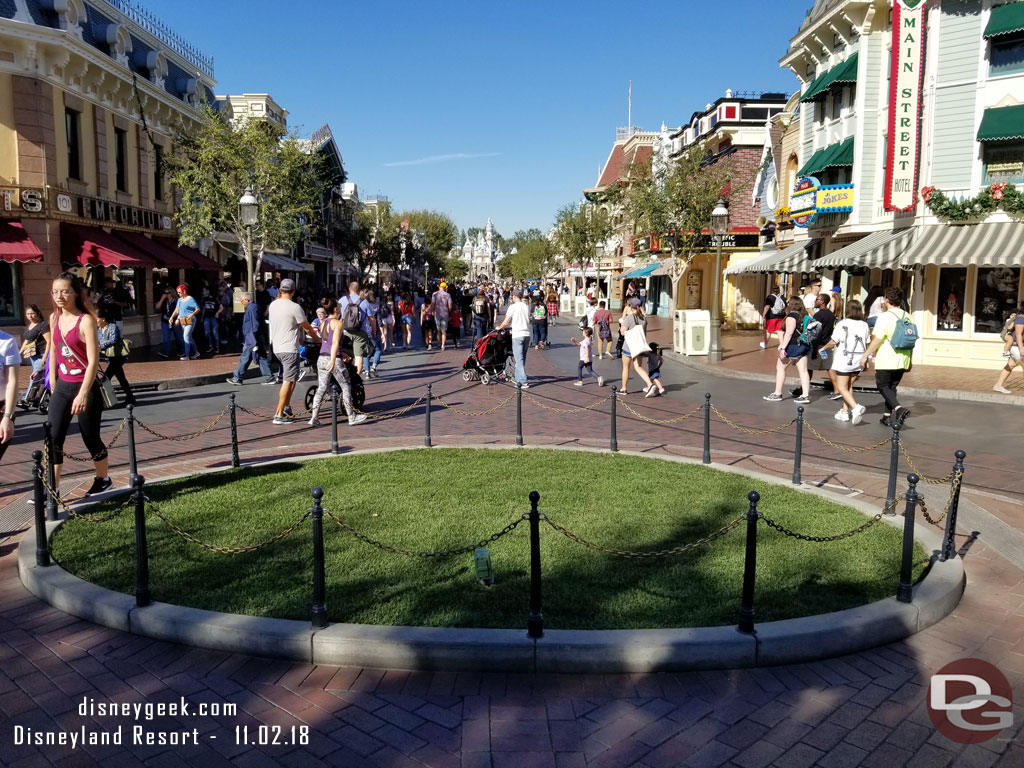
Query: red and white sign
x,y
905,81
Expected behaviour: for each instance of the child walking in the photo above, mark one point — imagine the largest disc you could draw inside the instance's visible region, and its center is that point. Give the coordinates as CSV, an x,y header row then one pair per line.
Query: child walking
x,y
586,363
654,360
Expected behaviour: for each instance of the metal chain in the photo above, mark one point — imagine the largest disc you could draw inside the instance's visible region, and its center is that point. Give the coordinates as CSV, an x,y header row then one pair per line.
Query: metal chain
x,y
916,471
642,555
845,448
498,407
859,529
385,414
113,440
954,486
537,401
61,504
415,553
258,415
748,430
640,416
229,550
185,438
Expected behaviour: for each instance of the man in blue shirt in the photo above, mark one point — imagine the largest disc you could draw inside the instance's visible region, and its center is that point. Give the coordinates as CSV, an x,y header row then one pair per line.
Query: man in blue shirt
x,y
253,345
361,346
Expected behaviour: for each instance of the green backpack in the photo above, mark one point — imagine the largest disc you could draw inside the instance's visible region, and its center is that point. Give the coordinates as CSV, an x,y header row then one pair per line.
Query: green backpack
x,y
904,335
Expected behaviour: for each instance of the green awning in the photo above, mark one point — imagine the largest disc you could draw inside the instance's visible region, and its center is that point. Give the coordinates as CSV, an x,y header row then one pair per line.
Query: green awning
x,y
832,156
840,74
1005,20
1002,123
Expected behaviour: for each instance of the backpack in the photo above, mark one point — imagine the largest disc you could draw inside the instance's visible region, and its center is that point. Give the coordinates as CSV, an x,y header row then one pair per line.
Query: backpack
x,y
904,335
540,312
583,323
352,317
1007,332
479,305
779,307
811,333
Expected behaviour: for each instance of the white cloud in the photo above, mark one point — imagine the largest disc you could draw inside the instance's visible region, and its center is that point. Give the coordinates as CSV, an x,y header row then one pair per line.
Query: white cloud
x,y
440,159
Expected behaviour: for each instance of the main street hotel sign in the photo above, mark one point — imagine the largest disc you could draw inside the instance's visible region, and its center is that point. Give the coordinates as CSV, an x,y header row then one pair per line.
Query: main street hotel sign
x,y
905,81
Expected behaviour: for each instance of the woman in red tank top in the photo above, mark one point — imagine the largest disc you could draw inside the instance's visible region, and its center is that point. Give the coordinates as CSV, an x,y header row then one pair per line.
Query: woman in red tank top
x,y
74,360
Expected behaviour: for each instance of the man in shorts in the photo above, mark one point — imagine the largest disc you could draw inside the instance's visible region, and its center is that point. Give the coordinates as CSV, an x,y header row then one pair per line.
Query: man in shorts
x,y
442,312
287,322
1016,352
361,346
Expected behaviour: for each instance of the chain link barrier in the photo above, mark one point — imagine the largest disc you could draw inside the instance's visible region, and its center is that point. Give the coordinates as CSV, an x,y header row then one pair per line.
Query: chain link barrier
x,y
416,553
61,504
953,488
461,412
110,445
846,448
648,419
228,550
579,409
185,438
390,414
748,430
643,555
839,536
916,471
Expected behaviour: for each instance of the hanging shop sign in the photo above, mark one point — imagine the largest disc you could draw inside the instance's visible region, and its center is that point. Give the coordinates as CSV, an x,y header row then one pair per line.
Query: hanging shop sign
x,y
905,84
810,198
645,244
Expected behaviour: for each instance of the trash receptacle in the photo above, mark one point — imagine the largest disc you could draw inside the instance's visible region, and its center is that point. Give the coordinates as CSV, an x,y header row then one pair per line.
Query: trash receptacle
x,y
565,305
581,305
692,331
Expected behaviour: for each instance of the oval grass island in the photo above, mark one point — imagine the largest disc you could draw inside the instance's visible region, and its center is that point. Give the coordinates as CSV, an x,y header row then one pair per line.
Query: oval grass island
x,y
618,613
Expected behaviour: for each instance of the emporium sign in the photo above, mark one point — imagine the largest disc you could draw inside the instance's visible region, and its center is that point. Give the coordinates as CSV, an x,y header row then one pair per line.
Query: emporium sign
x,y
907,70
810,198
35,201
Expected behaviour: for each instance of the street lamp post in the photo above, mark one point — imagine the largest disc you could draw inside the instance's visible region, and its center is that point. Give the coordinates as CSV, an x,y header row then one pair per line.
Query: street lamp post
x,y
598,256
248,209
719,225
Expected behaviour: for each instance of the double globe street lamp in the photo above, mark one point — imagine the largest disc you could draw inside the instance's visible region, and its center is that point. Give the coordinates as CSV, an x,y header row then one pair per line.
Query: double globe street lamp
x,y
249,211
719,225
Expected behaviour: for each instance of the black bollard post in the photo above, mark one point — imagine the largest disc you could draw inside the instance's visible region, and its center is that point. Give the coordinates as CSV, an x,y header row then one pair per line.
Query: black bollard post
x,y
42,544
613,443
905,587
235,461
519,414
707,427
535,621
426,434
949,536
51,474
319,612
141,549
746,625
334,418
133,465
894,468
798,452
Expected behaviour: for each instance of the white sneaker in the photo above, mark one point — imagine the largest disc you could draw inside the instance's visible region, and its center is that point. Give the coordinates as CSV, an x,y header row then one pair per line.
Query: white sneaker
x,y
857,414
577,383
600,381
842,415
314,422
359,418
651,391
763,345
1004,390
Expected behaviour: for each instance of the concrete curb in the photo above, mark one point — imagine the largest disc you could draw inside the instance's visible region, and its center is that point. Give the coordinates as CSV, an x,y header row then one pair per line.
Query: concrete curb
x,y
599,651
931,394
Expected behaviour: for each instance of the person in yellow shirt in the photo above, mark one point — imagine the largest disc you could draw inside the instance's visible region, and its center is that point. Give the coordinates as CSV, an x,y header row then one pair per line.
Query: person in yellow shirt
x,y
890,363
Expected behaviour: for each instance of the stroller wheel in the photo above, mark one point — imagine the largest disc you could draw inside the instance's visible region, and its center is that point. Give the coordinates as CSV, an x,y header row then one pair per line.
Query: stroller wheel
x,y
485,377
44,403
467,375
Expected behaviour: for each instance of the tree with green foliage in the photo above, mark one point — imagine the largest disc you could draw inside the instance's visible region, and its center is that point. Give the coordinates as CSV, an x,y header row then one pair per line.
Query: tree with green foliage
x,y
440,233
676,205
216,162
454,269
578,230
528,261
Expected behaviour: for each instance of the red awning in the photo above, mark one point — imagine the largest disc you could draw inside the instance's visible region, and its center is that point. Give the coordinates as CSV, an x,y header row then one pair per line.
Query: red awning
x,y
15,244
92,246
198,261
155,249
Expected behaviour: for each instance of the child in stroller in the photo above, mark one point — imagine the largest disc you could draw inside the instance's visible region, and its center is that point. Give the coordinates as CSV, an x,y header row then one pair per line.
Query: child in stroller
x,y
491,359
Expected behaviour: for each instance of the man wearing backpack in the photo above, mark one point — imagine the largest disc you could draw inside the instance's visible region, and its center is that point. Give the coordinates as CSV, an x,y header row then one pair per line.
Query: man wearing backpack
x,y
892,342
774,313
357,324
481,313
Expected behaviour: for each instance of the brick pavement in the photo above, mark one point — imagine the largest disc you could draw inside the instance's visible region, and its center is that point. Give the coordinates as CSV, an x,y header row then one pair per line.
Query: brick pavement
x,y
862,709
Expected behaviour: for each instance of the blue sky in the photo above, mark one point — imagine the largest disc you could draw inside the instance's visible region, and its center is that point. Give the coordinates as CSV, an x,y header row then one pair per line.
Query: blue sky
x,y
486,108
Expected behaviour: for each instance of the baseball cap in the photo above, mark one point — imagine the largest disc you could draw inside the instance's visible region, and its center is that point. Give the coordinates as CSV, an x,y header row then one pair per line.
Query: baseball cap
x,y
287,285
836,289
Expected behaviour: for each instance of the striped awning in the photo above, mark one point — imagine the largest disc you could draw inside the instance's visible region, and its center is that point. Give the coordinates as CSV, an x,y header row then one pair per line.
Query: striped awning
x,y
284,264
880,250
791,259
980,245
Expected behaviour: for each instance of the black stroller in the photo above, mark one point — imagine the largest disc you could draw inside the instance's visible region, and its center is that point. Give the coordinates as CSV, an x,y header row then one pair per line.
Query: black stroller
x,y
356,381
37,396
491,359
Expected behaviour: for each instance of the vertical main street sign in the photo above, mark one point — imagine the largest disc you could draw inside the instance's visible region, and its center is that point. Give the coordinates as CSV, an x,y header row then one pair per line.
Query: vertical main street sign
x,y
905,81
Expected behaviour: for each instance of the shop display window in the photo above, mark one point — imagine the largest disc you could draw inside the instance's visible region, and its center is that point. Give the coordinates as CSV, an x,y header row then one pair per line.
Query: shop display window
x,y
995,297
1004,161
9,314
952,291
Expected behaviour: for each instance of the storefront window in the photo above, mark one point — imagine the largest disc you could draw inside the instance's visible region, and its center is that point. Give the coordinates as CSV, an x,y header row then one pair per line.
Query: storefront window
x,y
1004,161
9,314
995,297
952,289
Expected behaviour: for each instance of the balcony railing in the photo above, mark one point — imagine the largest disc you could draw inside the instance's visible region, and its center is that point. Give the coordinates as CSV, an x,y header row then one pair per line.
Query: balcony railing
x,y
165,34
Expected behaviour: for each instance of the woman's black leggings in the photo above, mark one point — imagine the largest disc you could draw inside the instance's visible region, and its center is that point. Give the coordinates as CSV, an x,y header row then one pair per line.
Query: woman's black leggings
x,y
89,420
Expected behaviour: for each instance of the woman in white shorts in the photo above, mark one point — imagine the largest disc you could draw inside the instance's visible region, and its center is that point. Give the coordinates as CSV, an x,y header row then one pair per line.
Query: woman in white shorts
x,y
850,339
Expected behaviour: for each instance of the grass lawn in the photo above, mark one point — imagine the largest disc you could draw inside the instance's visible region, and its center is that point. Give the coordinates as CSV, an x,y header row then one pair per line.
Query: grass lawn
x,y
448,498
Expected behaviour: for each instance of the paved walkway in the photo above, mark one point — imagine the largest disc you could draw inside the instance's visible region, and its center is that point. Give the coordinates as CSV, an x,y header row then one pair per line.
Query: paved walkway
x,y
864,709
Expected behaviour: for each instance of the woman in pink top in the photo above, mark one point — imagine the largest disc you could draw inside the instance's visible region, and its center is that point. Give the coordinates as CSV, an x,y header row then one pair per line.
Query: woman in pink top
x,y
74,355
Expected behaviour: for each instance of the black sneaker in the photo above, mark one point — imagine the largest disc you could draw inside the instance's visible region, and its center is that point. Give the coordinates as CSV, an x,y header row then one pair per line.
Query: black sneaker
x,y
99,485
900,416
796,392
